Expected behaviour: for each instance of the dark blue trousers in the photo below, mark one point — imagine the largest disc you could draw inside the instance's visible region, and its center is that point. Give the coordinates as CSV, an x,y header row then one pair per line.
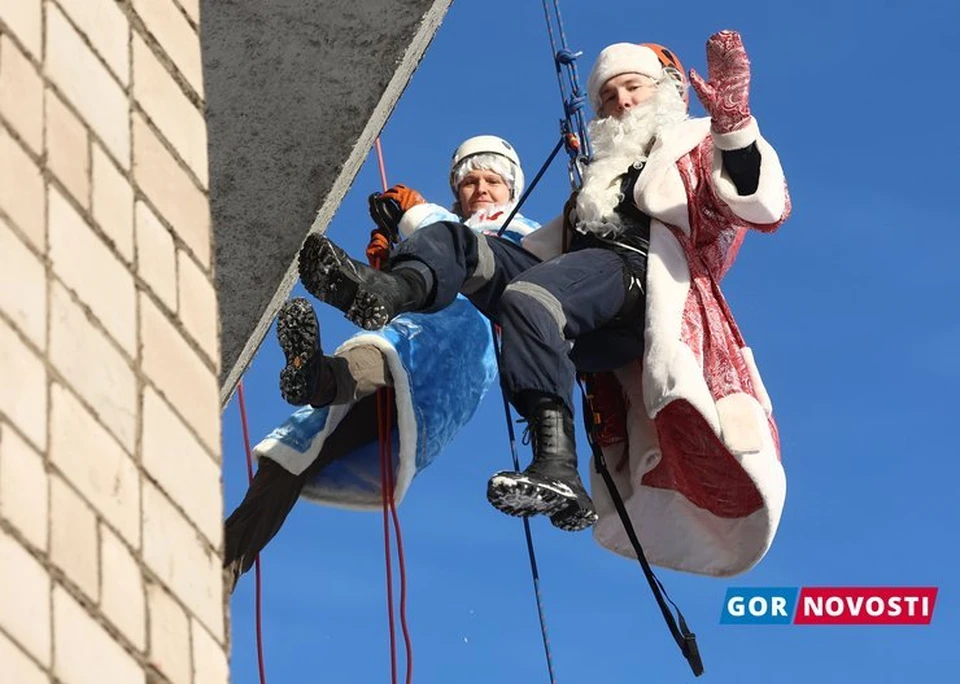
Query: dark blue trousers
x,y
556,317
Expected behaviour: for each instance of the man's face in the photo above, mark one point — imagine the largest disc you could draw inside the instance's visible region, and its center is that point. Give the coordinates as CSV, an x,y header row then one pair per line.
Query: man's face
x,y
621,93
481,189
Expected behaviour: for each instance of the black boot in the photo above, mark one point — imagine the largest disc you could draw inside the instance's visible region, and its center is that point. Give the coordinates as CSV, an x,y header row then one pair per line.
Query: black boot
x,y
369,298
551,484
307,378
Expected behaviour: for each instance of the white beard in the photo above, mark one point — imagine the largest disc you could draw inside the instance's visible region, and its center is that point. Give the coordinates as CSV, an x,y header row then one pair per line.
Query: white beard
x,y
618,143
493,216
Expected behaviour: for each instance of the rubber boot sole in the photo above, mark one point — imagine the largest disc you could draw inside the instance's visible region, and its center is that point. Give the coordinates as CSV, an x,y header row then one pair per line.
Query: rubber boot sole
x,y
328,273
297,333
575,517
516,494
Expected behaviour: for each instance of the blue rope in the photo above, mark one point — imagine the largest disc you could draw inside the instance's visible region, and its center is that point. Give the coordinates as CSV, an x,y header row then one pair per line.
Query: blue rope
x,y
572,124
574,100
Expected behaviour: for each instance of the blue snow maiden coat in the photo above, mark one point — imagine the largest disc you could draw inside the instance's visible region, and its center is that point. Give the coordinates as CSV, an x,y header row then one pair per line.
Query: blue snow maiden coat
x,y
442,365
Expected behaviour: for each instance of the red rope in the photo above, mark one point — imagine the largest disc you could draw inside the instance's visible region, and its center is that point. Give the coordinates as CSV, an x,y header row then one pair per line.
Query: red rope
x,y
386,495
408,645
387,486
383,167
258,594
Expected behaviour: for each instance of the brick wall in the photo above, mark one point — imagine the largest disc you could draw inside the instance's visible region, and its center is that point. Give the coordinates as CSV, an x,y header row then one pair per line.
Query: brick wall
x,y
110,489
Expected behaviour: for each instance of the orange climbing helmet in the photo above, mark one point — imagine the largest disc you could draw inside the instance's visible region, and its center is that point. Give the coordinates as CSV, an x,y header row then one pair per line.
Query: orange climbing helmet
x,y
671,66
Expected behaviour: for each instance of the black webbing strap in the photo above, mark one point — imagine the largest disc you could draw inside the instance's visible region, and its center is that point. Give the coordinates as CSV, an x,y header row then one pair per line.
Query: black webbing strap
x,y
686,640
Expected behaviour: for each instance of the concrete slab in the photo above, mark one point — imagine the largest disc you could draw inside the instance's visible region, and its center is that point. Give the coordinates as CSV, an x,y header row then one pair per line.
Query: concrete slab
x,y
296,93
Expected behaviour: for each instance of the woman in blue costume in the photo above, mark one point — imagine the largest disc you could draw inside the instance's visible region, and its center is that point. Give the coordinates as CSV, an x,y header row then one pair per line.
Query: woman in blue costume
x,y
439,366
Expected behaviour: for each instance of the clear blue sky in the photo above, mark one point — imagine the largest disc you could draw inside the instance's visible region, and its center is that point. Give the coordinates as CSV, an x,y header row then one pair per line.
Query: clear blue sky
x,y
853,312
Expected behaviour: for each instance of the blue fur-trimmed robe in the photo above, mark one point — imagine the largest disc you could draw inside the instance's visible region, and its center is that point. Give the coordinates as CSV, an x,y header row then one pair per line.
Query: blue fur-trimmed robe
x,y
442,365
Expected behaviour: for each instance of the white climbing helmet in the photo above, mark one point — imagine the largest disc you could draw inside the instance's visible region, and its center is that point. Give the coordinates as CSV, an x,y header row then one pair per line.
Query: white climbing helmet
x,y
488,145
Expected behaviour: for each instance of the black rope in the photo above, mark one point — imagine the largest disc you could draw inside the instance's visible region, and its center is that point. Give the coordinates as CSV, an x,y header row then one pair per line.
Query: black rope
x,y
531,554
533,184
686,640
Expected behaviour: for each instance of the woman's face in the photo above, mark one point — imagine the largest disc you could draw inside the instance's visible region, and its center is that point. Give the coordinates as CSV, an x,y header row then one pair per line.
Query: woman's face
x,y
481,189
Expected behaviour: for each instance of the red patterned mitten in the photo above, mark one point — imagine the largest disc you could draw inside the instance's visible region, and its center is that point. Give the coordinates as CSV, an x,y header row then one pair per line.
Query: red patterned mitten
x,y
726,95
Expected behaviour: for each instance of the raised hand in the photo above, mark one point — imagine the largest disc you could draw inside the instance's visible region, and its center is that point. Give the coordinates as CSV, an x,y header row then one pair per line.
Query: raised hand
x,y
726,95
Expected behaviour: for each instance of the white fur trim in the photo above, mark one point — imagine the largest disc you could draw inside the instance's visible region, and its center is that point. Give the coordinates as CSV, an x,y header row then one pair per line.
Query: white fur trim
x,y
737,140
414,216
659,191
621,58
758,385
670,369
547,242
677,534
740,430
296,462
768,203
291,460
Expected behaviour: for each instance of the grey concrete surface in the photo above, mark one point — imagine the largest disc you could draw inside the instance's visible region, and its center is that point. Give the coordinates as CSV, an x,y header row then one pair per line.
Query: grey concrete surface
x,y
296,93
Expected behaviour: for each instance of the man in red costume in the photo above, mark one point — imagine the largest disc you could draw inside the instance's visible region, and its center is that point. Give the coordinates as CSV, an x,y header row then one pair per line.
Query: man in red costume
x,y
626,285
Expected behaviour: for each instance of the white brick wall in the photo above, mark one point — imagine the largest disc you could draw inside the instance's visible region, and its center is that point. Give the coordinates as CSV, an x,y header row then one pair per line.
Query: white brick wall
x,y
110,491
17,667
156,256
93,366
73,537
23,287
24,18
21,190
122,595
25,599
86,265
170,28
192,8
198,305
86,653
180,465
177,198
105,474
21,94
209,660
106,26
68,149
180,557
168,107
23,369
80,75
174,367
112,203
24,488
169,635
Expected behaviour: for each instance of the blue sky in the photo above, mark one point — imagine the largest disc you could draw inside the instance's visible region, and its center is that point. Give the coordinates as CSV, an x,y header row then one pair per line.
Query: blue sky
x,y
852,311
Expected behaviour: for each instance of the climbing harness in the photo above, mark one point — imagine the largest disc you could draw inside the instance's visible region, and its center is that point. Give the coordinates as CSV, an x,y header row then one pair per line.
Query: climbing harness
x,y
573,136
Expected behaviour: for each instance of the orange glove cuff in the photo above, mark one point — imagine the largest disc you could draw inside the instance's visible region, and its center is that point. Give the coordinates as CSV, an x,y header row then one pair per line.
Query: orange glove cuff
x,y
404,196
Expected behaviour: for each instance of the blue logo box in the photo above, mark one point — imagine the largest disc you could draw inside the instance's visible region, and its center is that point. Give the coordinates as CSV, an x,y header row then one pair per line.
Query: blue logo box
x,y
759,606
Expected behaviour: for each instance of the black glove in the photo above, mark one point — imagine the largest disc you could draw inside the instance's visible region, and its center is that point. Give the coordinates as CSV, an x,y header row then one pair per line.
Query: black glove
x,y
386,213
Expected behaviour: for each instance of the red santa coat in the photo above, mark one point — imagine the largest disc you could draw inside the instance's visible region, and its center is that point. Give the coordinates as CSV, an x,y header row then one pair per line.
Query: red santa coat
x,y
698,463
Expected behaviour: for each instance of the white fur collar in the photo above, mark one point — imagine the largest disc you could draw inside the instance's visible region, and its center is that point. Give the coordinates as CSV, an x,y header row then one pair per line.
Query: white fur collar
x,y
660,192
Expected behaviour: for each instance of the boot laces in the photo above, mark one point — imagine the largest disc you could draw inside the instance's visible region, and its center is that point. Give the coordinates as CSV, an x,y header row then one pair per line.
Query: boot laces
x,y
530,431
